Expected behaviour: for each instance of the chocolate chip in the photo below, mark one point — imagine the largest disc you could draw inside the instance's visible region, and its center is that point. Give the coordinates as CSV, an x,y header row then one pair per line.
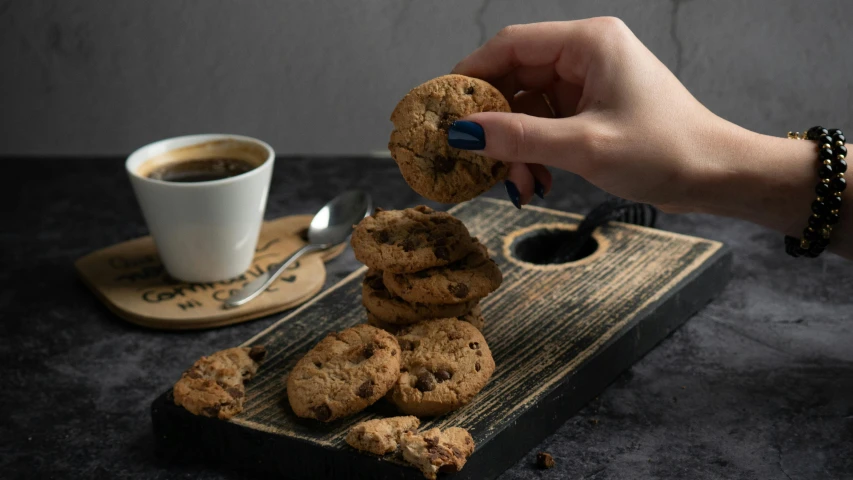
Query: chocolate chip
x,y
393,353
431,441
444,164
426,382
469,91
322,412
422,274
318,364
441,253
365,390
459,290
257,353
544,460
454,335
382,236
193,373
408,244
375,282
440,241
456,452
479,353
369,350
407,345
234,392
477,366
442,376
474,345
211,411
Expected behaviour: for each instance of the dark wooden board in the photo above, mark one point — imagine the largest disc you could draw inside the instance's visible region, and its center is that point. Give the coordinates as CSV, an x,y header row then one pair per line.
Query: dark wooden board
x,y
559,334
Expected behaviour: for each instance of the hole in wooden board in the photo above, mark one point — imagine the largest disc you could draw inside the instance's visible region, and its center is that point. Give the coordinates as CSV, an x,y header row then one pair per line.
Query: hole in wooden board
x,y
542,246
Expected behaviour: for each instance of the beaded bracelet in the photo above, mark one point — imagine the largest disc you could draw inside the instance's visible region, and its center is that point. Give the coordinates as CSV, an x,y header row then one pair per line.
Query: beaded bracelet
x,y
825,208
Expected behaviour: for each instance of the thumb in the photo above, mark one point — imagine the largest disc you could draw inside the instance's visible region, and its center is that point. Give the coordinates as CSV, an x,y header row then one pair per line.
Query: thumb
x,y
516,137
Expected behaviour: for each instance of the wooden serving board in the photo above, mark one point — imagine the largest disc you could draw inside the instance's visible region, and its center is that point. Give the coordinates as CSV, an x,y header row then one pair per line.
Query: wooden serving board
x,y
559,334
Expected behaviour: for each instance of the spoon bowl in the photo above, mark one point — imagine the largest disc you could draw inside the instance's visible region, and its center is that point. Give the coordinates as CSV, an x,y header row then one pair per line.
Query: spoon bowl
x,y
331,226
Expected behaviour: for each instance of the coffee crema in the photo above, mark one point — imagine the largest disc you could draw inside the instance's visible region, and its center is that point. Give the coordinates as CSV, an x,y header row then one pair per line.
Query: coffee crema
x,y
193,170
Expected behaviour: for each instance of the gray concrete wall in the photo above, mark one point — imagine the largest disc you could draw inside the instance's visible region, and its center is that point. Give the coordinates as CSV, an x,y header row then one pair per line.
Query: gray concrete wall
x,y
321,77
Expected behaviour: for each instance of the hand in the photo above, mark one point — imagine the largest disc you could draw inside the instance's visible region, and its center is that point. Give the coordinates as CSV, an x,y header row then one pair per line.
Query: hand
x,y
623,121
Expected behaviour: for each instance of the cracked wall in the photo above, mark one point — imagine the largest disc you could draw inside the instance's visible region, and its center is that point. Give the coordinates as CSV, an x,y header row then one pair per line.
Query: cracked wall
x,y
91,77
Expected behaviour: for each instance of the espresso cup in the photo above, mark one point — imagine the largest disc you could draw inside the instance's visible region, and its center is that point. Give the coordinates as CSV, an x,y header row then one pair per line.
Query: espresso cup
x,y
205,230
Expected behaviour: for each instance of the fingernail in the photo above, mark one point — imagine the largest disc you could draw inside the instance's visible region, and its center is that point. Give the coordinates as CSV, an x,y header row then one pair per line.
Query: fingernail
x,y
466,135
514,195
538,189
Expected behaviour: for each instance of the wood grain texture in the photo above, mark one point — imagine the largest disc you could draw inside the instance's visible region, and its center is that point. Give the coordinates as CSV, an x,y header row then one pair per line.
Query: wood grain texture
x,y
559,335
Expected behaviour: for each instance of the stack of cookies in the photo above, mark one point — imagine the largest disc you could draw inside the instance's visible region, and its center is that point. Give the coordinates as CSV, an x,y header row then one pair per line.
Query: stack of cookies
x,y
424,265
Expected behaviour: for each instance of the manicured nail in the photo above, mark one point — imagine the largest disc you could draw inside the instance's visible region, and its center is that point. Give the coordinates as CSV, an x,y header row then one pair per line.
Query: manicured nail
x,y
466,135
514,195
538,189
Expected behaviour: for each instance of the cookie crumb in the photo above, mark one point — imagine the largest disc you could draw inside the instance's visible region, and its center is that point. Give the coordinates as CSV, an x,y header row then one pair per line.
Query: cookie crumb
x,y
544,460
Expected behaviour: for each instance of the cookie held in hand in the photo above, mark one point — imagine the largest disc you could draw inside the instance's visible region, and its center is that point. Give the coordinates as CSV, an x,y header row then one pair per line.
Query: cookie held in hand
x,y
419,141
214,385
344,373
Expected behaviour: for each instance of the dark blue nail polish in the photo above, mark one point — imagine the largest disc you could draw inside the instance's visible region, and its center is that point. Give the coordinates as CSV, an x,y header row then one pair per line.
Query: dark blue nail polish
x,y
538,189
466,135
512,192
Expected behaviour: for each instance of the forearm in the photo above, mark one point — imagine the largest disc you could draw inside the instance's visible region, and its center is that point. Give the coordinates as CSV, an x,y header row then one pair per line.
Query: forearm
x,y
769,181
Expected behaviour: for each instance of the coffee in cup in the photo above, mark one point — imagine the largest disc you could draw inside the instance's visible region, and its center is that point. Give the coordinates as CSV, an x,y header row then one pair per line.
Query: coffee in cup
x,y
203,198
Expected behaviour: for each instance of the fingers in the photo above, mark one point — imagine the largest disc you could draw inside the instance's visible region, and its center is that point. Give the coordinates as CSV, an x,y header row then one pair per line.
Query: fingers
x,y
520,138
519,184
541,179
532,103
523,181
564,48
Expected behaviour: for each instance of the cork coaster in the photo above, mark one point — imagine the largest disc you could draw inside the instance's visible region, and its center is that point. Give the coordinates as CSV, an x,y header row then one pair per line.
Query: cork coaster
x,y
132,282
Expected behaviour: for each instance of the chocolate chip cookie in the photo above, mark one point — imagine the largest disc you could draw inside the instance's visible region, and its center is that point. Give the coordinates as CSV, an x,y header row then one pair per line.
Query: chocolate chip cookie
x,y
390,309
471,278
445,363
419,141
214,385
474,317
437,451
382,435
344,373
409,240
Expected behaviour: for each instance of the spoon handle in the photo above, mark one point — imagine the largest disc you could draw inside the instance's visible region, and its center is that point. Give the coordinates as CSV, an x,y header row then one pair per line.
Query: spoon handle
x,y
260,284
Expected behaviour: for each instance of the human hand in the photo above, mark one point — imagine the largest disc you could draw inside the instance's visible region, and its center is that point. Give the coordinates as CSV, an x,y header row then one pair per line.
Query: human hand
x,y
623,121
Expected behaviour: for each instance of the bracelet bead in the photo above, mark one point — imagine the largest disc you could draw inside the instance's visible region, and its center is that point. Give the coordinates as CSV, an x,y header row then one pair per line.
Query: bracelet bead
x,y
826,206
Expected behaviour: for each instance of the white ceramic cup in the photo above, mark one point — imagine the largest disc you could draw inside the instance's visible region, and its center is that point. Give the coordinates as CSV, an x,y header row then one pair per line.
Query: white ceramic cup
x,y
204,231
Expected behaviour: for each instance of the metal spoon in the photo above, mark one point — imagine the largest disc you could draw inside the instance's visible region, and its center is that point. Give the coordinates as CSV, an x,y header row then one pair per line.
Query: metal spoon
x,y
331,226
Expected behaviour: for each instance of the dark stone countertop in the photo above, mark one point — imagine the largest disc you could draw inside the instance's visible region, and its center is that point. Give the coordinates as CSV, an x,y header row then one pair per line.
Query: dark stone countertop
x,y
758,385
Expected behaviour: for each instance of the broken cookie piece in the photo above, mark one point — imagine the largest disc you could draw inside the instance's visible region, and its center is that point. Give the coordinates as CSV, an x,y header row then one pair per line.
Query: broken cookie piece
x,y
215,385
544,460
382,435
435,451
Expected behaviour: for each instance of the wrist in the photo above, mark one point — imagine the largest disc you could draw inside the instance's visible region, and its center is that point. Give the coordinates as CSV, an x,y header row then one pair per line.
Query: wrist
x,y
769,181
759,178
